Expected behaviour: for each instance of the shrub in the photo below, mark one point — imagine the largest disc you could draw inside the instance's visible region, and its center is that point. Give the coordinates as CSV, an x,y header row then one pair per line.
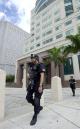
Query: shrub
x,y
10,78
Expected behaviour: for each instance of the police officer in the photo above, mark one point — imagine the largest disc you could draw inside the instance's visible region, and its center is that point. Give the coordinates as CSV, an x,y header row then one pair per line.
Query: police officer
x,y
36,86
72,85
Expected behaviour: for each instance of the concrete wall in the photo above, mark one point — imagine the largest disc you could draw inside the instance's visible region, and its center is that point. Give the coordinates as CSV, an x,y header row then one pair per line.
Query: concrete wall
x,y
2,94
12,40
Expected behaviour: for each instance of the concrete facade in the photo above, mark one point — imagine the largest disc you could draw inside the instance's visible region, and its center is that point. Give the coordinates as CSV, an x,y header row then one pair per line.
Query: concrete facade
x,y
2,93
12,40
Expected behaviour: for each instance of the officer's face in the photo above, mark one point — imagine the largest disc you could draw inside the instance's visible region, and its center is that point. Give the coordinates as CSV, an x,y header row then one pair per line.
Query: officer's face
x,y
33,60
71,77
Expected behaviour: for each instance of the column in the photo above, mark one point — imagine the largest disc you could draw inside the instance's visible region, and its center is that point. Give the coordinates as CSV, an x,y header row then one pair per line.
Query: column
x,y
2,93
19,75
16,67
56,87
76,67
24,75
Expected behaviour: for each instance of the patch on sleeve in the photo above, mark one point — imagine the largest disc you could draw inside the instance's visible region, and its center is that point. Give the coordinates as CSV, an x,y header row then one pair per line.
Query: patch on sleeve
x,y
43,70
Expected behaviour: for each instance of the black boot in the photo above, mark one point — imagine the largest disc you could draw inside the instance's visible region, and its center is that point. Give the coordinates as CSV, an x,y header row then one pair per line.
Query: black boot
x,y
41,108
73,92
34,120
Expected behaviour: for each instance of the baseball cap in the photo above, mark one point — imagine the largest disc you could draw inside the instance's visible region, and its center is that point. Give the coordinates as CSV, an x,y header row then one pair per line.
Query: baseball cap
x,y
35,56
32,56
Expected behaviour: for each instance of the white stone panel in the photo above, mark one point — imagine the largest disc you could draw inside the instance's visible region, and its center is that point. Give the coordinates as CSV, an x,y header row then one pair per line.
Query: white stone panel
x,y
2,93
57,88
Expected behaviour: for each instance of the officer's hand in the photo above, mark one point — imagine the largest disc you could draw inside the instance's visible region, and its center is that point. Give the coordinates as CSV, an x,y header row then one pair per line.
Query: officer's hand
x,y
28,75
40,89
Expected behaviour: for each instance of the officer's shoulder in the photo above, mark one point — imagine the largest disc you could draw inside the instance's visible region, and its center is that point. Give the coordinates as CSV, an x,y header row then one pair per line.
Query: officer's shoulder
x,y
41,64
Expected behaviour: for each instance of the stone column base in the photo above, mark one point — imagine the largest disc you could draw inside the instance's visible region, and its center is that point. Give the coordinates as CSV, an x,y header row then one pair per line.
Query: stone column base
x,y
2,93
57,88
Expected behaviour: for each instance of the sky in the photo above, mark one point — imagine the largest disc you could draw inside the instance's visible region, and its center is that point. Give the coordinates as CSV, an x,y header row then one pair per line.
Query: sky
x,y
17,12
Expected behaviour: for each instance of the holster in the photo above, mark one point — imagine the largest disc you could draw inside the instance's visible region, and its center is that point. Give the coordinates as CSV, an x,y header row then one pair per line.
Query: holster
x,y
30,85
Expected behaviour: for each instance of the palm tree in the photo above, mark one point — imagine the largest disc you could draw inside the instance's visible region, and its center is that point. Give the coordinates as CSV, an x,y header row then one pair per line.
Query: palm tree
x,y
74,47
58,56
55,55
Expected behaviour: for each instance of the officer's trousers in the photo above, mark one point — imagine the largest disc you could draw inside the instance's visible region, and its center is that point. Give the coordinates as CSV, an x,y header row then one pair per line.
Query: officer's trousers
x,y
73,89
35,101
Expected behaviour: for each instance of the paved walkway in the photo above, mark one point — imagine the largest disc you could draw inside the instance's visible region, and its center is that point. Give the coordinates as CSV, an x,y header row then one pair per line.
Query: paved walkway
x,y
62,115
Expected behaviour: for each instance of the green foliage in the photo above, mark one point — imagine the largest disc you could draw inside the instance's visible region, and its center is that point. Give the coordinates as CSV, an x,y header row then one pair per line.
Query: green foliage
x,y
57,55
74,47
75,42
79,30
10,78
47,61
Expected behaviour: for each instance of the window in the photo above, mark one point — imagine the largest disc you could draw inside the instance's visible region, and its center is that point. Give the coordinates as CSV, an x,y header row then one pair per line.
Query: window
x,y
32,47
32,29
39,4
48,41
78,8
67,1
38,24
68,7
59,36
68,66
32,40
78,5
57,19
38,45
37,37
68,22
47,33
32,34
79,60
78,18
58,27
69,32
47,25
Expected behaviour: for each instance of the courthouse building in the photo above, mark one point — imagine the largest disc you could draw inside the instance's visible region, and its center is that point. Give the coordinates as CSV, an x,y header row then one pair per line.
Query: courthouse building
x,y
51,22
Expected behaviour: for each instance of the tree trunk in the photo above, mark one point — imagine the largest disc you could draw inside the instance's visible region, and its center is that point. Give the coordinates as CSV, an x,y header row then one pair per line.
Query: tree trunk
x,y
54,69
61,73
57,70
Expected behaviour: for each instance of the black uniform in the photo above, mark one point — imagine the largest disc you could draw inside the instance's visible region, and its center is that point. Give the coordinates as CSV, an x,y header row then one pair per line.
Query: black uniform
x,y
34,82
72,85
